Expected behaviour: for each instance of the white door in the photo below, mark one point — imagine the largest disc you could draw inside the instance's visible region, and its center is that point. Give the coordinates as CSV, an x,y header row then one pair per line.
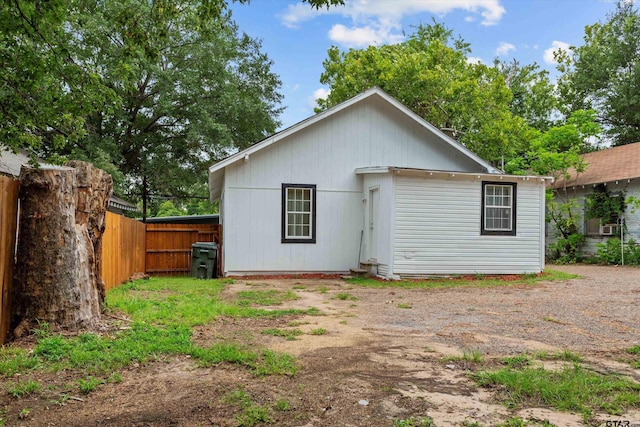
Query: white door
x,y
374,208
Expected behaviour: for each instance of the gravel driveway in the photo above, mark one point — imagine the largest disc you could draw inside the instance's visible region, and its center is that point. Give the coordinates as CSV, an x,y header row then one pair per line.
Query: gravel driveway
x,y
600,311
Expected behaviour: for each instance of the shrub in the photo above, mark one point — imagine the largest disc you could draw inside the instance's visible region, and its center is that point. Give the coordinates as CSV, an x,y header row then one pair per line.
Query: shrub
x,y
609,252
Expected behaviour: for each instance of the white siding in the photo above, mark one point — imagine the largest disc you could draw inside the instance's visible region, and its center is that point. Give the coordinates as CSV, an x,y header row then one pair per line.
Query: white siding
x,y
632,217
437,230
326,154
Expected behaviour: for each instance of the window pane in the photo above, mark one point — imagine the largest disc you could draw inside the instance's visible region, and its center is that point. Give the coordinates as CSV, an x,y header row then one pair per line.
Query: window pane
x,y
298,212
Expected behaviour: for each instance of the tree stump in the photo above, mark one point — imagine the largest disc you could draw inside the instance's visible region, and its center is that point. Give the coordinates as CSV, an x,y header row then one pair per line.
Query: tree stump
x,y
57,275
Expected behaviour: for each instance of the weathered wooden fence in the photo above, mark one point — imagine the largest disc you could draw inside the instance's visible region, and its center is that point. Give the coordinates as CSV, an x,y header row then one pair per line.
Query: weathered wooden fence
x,y
128,247
169,246
8,225
123,249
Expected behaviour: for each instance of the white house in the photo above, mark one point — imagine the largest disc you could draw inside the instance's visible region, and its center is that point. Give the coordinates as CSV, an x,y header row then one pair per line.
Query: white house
x,y
618,170
370,181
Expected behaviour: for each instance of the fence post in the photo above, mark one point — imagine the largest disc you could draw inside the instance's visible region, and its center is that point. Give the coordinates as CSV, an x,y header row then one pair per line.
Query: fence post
x,y
9,189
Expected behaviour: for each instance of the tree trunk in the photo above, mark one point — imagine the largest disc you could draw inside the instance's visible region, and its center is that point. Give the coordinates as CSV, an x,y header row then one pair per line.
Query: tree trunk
x,y
92,199
57,275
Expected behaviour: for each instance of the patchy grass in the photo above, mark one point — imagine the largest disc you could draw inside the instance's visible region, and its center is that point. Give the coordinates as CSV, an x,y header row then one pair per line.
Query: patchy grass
x,y
162,313
517,362
318,331
252,414
406,306
564,355
289,334
468,355
343,296
23,388
265,298
191,302
414,422
573,388
459,281
635,351
519,422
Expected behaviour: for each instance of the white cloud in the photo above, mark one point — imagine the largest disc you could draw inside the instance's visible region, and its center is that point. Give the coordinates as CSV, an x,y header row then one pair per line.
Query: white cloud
x,y
555,46
363,36
474,60
379,21
504,48
296,86
320,93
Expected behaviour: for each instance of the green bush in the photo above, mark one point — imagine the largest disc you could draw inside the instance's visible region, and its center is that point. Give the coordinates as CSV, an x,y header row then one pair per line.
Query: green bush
x,y
565,250
609,252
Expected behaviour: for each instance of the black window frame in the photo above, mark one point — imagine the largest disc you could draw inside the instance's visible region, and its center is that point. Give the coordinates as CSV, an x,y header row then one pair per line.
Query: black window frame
x,y
283,235
514,216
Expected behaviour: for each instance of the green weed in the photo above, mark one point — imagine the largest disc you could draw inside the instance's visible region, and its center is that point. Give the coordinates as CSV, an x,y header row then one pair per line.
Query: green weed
x,y
24,413
289,334
635,350
251,414
552,320
414,422
343,296
564,355
282,405
22,388
517,362
474,356
402,305
318,331
519,422
87,385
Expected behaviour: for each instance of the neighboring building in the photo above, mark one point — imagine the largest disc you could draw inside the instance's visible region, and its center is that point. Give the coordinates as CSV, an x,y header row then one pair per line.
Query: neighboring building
x,y
11,163
618,169
370,181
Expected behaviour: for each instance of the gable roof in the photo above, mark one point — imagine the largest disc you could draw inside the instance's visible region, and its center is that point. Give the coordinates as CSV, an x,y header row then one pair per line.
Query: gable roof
x,y
612,164
216,171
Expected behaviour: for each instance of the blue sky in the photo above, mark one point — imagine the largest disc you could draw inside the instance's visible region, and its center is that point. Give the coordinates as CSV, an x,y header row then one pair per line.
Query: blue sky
x,y
297,37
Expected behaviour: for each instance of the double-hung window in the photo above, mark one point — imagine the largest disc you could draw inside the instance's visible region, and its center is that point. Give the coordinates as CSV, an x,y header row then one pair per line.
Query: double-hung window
x,y
298,213
498,208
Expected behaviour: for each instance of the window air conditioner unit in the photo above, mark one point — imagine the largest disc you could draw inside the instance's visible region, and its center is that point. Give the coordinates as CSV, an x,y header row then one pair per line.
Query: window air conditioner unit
x,y
608,229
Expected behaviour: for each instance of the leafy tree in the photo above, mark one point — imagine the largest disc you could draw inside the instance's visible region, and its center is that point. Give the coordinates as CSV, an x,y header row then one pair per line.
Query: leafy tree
x,y
44,92
79,78
430,74
556,153
167,208
191,89
533,93
559,149
603,74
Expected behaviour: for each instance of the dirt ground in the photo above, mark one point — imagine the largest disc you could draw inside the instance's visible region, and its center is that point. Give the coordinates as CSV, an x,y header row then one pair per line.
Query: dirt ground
x,y
383,356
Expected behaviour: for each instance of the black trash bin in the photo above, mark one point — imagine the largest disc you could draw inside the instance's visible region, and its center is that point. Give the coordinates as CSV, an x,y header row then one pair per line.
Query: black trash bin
x,y
204,260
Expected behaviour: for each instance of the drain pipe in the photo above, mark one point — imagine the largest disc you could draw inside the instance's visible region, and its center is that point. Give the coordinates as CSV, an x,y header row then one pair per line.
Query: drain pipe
x,y
622,238
360,248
